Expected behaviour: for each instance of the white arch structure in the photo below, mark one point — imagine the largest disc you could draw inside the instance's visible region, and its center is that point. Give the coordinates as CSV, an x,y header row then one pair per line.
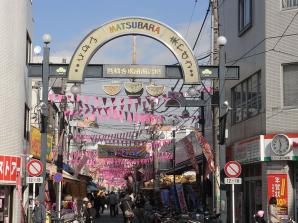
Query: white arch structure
x,y
134,26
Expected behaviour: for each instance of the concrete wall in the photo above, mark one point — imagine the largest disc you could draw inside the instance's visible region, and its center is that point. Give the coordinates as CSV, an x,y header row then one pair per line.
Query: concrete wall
x,y
279,118
239,51
15,21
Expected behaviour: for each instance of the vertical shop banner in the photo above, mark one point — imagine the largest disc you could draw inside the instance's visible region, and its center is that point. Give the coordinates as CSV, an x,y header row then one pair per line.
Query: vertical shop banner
x,y
165,197
278,188
181,198
36,144
82,162
9,165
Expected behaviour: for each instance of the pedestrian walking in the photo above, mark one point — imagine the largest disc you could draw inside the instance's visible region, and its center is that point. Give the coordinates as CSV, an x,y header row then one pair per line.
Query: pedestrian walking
x,y
127,208
102,201
273,217
90,213
113,201
39,212
139,211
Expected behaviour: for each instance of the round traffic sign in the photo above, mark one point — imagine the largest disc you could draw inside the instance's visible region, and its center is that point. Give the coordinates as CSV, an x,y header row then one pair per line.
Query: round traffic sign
x,y
232,169
57,177
34,168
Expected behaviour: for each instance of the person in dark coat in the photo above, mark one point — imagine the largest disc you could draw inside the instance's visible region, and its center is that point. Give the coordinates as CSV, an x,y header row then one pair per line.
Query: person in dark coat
x,y
113,202
127,204
39,212
139,209
97,204
90,213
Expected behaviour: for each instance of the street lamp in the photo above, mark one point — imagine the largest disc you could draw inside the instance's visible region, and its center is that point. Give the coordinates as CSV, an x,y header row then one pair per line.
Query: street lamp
x,y
44,114
221,154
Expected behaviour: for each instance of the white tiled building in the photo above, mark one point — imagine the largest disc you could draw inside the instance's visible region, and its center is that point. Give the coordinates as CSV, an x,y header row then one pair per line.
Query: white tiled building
x,y
15,41
262,39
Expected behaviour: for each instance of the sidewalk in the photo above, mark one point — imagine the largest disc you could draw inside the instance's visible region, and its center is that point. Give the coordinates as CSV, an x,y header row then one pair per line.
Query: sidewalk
x,y
105,218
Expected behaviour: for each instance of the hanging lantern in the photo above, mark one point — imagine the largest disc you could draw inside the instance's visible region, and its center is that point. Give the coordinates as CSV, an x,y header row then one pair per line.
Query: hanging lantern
x,y
112,89
133,89
155,90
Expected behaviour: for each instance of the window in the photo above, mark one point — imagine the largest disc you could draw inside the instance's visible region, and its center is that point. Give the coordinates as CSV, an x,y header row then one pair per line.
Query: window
x,y
286,4
245,15
290,83
246,98
26,123
28,48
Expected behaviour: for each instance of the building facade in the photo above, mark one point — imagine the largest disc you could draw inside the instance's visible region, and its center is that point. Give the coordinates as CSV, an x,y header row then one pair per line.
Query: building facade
x,y
263,124
15,37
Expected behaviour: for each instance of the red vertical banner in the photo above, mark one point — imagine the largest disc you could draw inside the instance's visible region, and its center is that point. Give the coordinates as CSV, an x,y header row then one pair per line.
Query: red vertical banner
x,y
13,168
278,188
1,167
6,168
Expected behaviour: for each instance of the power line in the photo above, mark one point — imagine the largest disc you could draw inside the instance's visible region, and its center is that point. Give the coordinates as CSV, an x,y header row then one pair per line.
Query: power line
x,y
202,26
190,20
286,29
243,56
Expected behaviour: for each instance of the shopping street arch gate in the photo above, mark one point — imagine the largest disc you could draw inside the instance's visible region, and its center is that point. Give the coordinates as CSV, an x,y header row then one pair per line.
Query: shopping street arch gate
x,y
134,26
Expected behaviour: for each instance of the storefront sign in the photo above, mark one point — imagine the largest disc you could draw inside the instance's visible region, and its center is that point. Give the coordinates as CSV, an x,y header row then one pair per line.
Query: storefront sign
x,y
248,151
132,70
9,166
278,188
259,148
36,144
134,26
130,152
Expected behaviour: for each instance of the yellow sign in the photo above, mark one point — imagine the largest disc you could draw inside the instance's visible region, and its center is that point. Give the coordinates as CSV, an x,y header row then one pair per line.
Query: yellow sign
x,y
134,26
36,144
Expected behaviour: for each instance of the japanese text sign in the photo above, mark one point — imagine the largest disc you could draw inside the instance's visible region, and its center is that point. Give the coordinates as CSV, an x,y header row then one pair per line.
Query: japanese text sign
x,y
278,188
9,165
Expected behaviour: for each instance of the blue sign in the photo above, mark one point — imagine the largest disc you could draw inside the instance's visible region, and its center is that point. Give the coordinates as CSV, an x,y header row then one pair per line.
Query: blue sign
x,y
58,177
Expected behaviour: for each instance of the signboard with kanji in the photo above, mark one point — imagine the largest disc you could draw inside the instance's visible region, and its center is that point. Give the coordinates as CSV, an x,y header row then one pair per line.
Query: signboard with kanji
x,y
278,188
9,165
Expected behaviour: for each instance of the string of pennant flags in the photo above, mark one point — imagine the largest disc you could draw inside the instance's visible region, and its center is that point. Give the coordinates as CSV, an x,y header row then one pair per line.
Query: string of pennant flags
x,y
103,101
114,112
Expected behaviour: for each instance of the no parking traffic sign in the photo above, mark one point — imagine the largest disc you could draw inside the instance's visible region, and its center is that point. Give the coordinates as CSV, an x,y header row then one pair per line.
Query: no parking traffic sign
x,y
34,168
232,169
58,177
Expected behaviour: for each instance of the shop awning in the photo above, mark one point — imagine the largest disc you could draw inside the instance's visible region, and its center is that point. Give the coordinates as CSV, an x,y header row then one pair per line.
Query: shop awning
x,y
52,170
92,187
69,176
190,150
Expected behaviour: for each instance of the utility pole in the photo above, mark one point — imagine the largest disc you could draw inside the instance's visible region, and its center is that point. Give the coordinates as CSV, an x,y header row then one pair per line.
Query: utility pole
x,y
202,123
215,108
44,113
60,149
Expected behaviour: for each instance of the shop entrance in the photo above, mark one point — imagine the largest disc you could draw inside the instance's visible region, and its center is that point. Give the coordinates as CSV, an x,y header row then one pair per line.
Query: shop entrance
x,y
252,197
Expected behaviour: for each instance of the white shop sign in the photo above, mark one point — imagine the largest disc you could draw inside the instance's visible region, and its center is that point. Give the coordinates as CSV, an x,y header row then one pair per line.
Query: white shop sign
x,y
259,148
249,150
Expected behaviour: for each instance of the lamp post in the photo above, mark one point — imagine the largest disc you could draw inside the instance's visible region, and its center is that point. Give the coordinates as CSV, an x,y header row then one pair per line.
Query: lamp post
x,y
44,111
221,154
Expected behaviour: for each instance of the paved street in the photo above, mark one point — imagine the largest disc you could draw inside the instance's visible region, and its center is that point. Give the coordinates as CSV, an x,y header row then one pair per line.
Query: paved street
x,y
105,218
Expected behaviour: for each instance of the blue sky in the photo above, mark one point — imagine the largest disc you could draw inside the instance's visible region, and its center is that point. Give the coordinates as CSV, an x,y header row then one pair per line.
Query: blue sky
x,y
68,21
